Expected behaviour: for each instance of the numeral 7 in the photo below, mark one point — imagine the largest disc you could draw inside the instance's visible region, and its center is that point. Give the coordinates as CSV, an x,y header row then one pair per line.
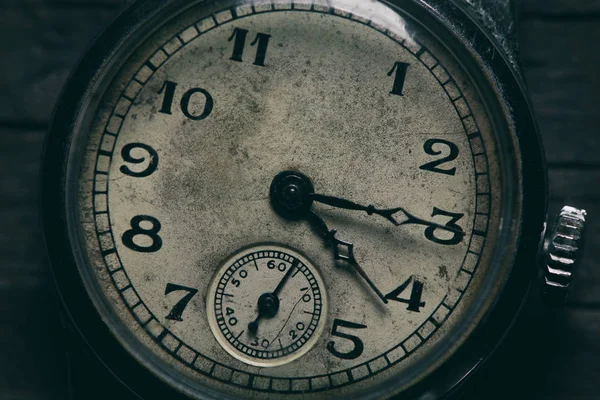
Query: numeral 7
x,y
178,309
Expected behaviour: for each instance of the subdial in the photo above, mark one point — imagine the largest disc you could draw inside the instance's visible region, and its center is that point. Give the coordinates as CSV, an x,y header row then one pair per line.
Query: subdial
x,y
266,305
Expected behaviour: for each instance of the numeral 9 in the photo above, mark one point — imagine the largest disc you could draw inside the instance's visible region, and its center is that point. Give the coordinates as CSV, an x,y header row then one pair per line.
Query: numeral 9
x,y
128,157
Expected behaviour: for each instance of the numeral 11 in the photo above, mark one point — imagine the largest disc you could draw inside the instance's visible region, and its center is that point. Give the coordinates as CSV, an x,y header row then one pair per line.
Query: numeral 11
x,y
240,42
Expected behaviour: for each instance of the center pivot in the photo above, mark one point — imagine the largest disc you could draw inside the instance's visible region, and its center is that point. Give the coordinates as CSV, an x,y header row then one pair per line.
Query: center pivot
x,y
268,305
291,194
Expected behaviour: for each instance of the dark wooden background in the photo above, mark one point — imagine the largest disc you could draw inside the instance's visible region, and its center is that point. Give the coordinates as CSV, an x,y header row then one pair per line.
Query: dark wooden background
x,y
554,355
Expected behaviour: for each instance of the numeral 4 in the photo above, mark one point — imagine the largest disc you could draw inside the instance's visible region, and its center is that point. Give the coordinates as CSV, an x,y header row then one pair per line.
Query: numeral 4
x,y
414,302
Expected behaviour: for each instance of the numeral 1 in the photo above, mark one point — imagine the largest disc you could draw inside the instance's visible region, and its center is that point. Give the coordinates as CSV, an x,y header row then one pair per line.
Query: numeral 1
x,y
400,68
240,42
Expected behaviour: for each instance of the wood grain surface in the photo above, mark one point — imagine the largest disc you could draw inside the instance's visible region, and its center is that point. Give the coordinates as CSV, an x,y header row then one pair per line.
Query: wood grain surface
x,y
558,353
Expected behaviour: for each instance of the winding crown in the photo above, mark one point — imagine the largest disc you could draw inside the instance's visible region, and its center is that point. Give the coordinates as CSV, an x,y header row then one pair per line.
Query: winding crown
x,y
562,252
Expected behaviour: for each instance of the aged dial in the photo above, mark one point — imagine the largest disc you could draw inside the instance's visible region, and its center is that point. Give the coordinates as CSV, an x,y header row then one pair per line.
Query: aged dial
x,y
311,188
266,305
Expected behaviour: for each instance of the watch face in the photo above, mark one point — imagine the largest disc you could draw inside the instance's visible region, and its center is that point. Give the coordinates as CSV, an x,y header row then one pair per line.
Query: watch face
x,y
292,199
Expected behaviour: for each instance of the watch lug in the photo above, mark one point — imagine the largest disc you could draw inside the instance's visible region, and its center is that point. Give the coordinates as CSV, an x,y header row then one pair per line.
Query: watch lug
x,y
499,17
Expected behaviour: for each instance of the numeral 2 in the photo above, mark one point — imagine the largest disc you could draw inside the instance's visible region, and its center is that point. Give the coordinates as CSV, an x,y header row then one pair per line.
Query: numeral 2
x,y
169,88
414,302
178,309
433,166
240,42
358,348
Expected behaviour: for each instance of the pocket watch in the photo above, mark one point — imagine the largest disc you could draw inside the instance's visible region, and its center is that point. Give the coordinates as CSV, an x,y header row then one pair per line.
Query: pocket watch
x,y
296,199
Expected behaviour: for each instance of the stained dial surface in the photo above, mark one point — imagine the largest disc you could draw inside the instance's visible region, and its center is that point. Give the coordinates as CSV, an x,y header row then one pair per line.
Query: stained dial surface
x,y
212,107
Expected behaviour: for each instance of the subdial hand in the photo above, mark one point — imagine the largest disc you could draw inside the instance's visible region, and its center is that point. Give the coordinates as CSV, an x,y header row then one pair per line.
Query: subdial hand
x,y
268,303
385,213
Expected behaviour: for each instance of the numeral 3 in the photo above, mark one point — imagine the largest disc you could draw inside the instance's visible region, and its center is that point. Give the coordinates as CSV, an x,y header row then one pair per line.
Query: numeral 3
x,y
431,230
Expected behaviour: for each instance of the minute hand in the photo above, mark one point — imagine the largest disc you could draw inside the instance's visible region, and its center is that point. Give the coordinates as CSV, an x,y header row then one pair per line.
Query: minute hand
x,y
329,236
385,213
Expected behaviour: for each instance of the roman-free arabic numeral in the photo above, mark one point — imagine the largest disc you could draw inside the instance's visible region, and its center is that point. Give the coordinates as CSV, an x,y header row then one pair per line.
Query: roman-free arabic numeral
x,y
456,237
169,88
358,347
414,302
400,69
299,327
137,230
126,153
178,309
242,274
264,342
232,319
434,165
262,39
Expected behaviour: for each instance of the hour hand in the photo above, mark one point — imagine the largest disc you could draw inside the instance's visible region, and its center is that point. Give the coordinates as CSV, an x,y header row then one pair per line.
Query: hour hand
x,y
388,213
350,205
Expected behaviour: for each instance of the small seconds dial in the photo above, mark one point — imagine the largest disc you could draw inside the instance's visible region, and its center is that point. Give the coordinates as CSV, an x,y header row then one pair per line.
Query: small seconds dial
x,y
266,305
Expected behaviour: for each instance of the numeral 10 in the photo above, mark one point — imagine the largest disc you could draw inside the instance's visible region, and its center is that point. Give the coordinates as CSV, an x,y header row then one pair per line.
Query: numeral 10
x,y
169,89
